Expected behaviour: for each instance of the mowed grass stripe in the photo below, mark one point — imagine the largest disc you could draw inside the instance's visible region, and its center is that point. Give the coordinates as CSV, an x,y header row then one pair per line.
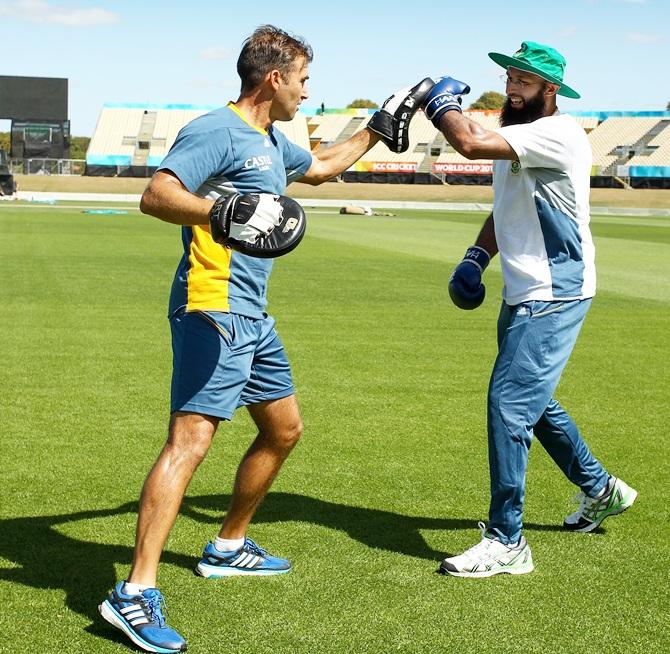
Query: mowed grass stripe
x,y
625,264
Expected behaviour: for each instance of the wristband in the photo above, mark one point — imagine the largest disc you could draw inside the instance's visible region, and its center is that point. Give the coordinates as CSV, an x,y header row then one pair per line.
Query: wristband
x,y
477,256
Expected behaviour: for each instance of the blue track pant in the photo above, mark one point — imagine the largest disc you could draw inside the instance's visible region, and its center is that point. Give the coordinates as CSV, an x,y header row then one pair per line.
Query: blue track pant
x,y
535,340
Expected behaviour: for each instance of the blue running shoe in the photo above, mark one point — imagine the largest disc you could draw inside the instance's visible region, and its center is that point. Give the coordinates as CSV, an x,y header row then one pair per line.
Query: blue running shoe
x,y
250,559
141,618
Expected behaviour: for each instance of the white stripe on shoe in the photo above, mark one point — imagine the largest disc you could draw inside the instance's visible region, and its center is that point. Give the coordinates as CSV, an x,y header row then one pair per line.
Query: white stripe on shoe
x,y
134,614
245,560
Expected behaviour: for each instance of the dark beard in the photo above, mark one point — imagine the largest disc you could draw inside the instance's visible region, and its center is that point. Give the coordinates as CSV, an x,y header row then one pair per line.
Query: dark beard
x,y
532,110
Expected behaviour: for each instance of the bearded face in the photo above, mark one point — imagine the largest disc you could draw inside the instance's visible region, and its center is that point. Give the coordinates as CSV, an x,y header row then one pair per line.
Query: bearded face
x,y
529,110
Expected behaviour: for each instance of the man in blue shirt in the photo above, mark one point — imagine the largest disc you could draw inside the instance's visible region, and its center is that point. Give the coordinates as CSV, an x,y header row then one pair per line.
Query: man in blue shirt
x,y
226,351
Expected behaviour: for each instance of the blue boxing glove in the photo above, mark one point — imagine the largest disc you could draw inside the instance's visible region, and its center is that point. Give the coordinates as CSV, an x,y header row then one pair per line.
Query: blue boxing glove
x,y
444,96
465,285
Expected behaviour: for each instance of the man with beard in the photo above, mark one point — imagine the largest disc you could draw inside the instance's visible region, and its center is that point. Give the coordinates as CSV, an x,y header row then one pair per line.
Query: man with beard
x,y
540,227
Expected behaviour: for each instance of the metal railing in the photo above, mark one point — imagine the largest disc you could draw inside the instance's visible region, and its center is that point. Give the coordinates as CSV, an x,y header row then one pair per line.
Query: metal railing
x,y
47,166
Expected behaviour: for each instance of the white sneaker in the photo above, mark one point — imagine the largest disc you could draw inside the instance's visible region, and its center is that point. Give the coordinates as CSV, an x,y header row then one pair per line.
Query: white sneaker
x,y
490,557
592,511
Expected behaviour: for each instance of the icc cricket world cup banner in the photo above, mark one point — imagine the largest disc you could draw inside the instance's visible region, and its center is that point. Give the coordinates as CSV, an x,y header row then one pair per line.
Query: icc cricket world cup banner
x,y
384,167
445,168
451,168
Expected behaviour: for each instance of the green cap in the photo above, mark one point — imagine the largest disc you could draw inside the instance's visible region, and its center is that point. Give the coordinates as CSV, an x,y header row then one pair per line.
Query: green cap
x,y
541,60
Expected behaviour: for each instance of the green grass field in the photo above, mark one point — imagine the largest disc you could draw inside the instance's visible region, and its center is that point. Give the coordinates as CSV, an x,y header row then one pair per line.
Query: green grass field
x,y
391,474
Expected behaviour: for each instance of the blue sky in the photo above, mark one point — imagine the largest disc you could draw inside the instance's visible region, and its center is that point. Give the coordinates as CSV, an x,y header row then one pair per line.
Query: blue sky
x,y
184,52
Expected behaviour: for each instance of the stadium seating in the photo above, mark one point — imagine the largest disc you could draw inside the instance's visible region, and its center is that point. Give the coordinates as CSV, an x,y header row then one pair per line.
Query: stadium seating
x,y
295,130
134,135
119,141
166,127
660,156
329,126
587,122
113,142
620,133
487,119
421,130
380,159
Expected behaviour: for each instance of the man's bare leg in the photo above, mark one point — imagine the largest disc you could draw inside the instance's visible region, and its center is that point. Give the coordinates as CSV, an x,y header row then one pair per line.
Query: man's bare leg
x,y
189,438
279,429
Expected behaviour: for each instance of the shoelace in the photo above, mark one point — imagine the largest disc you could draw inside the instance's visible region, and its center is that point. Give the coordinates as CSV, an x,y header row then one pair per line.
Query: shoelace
x,y
589,506
584,500
153,604
586,503
480,551
254,548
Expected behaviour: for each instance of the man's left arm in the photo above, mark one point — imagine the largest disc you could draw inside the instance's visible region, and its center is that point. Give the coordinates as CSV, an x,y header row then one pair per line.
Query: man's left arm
x,y
330,162
390,124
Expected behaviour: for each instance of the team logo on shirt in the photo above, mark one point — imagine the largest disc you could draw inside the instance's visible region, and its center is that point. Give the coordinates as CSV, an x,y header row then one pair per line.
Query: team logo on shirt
x,y
261,162
516,167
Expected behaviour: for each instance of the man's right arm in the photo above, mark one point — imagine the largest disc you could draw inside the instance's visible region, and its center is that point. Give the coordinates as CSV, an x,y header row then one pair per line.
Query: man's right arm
x,y
168,199
443,109
473,141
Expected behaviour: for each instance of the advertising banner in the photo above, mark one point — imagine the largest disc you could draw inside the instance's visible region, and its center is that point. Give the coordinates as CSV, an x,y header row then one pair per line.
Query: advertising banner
x,y
469,168
384,166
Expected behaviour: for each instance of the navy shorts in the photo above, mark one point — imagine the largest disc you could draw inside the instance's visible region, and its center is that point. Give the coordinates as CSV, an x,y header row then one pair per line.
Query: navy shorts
x,y
221,361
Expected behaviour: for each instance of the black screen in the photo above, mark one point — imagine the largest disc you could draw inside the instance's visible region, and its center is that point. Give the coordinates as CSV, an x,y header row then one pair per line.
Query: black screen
x,y
36,98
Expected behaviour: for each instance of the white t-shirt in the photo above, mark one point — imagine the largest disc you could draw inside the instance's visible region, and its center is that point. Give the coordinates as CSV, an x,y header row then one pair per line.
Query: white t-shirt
x,y
541,212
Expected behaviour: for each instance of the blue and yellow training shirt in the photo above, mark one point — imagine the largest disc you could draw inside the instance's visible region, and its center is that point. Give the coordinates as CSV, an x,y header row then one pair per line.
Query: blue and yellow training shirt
x,y
217,154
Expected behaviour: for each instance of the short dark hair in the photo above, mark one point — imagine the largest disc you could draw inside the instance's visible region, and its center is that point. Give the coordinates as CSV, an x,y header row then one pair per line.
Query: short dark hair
x,y
269,48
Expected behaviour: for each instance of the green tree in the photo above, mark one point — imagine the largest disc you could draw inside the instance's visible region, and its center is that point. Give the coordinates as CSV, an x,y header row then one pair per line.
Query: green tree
x,y
360,103
78,147
489,100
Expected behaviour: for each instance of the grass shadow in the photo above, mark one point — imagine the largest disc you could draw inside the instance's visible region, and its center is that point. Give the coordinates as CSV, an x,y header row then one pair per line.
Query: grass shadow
x,y
45,558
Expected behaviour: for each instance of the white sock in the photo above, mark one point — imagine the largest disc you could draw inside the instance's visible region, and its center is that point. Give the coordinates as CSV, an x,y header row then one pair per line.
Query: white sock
x,y
605,490
134,589
228,544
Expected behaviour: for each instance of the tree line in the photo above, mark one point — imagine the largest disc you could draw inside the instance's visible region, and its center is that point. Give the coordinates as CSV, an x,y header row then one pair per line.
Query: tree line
x,y
488,100
78,145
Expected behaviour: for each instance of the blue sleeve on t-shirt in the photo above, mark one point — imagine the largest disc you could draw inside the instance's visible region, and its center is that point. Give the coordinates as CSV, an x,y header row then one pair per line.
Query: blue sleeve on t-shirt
x,y
201,151
207,149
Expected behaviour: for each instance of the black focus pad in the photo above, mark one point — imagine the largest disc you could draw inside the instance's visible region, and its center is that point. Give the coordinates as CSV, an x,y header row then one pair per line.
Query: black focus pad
x,y
393,119
283,238
240,209
219,217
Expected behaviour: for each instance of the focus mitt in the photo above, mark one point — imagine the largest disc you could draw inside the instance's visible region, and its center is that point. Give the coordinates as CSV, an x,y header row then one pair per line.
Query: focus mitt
x,y
258,224
392,120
